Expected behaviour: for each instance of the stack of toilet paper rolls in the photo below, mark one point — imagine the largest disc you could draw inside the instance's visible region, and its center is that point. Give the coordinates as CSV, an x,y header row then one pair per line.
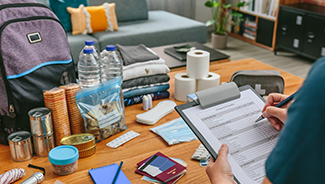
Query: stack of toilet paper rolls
x,y
197,76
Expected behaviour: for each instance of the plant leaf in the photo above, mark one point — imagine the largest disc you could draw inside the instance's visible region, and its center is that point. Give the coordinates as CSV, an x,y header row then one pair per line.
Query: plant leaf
x,y
210,4
209,23
226,6
242,4
236,14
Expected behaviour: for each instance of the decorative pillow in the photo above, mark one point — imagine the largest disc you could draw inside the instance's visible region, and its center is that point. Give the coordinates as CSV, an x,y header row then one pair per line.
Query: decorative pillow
x,y
59,7
93,19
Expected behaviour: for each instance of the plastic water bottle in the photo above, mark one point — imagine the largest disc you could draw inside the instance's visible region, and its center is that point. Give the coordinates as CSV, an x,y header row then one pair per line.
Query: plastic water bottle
x,y
91,44
111,65
88,69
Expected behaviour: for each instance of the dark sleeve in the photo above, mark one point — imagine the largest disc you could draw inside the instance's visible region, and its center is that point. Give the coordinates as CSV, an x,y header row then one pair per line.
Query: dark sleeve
x,y
299,156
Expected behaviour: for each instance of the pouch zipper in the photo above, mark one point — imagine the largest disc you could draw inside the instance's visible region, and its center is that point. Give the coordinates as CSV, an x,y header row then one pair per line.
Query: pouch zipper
x,y
11,107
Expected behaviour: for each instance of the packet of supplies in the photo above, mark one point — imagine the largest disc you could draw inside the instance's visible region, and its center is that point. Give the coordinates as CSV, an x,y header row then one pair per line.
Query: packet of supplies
x,y
100,106
175,131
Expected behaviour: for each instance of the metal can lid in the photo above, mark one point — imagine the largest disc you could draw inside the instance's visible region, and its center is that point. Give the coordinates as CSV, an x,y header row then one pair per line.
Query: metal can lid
x,y
77,139
19,136
39,112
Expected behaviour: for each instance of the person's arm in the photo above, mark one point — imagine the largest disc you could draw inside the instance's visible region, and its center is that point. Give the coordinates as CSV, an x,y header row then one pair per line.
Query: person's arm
x,y
267,181
276,116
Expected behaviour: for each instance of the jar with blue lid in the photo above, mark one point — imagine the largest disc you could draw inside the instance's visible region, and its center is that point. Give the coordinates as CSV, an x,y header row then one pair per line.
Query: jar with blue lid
x,y
64,159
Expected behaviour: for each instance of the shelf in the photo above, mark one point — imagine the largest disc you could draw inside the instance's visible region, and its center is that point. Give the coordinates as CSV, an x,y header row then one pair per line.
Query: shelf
x,y
235,35
259,15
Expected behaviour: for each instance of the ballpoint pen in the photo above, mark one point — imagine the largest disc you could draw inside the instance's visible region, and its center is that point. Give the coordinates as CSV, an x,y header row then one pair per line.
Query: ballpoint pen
x,y
117,172
282,103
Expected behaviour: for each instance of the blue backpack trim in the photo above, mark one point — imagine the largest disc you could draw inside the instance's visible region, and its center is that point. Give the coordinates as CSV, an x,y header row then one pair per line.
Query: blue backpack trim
x,y
37,67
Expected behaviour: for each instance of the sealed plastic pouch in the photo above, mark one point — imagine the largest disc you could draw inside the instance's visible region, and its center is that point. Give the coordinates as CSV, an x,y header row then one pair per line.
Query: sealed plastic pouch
x,y
175,131
100,106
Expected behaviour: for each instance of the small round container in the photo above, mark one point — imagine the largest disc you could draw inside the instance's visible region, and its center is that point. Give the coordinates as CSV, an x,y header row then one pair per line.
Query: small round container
x,y
20,146
64,159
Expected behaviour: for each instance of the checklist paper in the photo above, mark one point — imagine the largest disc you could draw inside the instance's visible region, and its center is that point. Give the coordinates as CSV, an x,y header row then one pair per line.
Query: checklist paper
x,y
233,123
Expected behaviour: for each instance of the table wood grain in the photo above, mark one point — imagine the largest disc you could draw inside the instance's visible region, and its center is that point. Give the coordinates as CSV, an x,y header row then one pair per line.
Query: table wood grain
x,y
148,143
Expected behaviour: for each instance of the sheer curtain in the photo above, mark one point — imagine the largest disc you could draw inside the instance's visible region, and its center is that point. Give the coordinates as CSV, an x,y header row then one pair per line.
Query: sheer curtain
x,y
184,8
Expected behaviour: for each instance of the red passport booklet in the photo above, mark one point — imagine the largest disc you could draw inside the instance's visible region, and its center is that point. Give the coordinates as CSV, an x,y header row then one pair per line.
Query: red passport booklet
x,y
170,175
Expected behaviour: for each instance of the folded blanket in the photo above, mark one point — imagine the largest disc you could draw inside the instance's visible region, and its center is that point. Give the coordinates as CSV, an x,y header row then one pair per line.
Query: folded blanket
x,y
147,90
138,99
141,81
131,66
134,54
148,70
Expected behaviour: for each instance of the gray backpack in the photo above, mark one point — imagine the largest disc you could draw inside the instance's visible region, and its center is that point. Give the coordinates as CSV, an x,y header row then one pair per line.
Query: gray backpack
x,y
34,56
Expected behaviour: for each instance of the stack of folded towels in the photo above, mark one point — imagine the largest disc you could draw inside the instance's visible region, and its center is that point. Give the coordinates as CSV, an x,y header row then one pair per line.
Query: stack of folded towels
x,y
144,73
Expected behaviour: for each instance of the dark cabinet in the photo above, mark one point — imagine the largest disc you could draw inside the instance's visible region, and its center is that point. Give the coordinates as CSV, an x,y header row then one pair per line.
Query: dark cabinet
x,y
264,33
301,29
314,40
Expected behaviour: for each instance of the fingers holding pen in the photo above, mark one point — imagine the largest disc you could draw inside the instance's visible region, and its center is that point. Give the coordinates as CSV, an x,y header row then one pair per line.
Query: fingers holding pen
x,y
276,116
273,99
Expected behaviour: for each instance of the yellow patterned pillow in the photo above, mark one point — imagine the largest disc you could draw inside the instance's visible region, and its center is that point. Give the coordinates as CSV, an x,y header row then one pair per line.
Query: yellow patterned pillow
x,y
93,19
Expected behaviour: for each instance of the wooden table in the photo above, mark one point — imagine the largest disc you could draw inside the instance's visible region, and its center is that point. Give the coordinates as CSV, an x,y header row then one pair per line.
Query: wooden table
x,y
148,143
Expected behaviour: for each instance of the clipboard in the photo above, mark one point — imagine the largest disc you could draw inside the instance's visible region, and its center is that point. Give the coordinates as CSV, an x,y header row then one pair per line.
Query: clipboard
x,y
212,98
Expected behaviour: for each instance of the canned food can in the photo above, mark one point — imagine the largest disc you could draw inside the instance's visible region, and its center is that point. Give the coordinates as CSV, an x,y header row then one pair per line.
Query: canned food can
x,y
80,141
40,121
43,145
20,146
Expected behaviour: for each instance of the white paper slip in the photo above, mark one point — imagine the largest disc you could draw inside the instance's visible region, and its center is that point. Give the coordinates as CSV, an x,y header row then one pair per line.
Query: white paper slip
x,y
122,139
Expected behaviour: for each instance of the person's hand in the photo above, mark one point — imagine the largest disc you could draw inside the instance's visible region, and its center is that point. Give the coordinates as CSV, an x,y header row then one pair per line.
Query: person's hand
x,y
219,171
276,116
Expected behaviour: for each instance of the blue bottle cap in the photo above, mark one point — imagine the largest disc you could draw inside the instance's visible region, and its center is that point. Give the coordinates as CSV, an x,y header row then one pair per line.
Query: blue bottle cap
x,y
88,50
89,42
63,155
110,47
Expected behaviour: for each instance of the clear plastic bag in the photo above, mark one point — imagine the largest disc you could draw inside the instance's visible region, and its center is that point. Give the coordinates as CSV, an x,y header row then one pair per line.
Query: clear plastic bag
x,y
101,108
175,131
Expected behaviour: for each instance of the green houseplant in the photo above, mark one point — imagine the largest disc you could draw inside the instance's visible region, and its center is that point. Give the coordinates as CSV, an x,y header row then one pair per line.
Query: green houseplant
x,y
220,20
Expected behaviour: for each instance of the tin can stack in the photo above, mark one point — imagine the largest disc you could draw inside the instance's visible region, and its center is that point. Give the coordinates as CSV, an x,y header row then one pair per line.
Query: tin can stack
x,y
76,121
85,143
42,130
20,145
56,101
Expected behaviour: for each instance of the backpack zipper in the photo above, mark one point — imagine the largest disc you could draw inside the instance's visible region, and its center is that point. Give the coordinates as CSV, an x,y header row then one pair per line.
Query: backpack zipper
x,y
11,107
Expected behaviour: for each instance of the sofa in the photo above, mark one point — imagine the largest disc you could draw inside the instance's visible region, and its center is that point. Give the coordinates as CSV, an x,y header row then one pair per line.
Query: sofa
x,y
137,25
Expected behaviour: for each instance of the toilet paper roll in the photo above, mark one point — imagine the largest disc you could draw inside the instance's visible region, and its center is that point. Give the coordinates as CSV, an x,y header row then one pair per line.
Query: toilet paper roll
x,y
184,86
212,80
197,64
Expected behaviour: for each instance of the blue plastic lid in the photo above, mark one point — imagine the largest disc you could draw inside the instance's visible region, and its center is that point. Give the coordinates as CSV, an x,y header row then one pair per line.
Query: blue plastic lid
x,y
110,47
89,42
63,155
88,50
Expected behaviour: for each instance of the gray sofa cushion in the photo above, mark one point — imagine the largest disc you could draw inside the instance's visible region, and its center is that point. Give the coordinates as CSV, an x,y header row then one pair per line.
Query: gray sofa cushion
x,y
77,42
126,10
162,28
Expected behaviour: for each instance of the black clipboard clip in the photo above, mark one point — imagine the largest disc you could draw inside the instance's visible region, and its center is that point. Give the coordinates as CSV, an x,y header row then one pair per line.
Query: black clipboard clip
x,y
217,95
